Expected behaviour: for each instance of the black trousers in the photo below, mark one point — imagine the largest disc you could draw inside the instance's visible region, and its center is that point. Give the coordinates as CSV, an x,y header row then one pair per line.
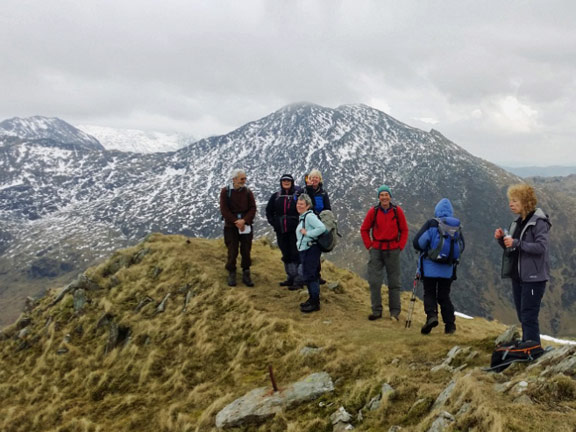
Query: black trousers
x,y
437,292
287,245
234,241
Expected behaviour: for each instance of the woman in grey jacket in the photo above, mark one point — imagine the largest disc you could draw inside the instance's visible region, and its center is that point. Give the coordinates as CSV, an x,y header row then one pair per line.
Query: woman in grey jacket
x,y
525,258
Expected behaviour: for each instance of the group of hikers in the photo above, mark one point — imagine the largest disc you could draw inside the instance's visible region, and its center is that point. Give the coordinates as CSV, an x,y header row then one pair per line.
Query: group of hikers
x,y
296,215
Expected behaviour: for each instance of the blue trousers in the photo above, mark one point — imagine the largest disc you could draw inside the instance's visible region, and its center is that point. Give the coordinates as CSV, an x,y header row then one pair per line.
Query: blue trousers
x,y
309,264
527,299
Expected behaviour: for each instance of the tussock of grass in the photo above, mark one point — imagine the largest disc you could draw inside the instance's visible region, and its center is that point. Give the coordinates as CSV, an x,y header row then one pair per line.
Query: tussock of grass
x,y
174,370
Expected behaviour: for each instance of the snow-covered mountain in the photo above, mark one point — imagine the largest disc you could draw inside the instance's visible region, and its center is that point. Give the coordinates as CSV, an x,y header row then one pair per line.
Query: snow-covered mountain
x,y
48,128
61,209
137,141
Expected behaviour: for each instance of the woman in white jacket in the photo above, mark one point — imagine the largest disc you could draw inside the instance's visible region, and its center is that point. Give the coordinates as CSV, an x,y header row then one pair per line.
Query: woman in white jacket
x,y
308,230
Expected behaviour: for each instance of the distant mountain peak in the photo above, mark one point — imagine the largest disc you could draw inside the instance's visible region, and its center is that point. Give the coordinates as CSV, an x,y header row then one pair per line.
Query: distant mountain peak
x,y
138,141
48,128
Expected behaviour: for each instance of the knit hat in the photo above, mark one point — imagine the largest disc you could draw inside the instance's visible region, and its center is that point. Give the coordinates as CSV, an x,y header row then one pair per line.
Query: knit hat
x,y
384,188
287,177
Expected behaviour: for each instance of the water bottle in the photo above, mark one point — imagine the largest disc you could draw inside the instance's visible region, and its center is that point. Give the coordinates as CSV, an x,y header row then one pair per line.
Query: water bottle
x,y
507,234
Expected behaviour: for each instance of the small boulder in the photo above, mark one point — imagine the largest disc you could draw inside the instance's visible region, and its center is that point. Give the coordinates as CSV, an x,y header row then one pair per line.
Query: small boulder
x,y
509,336
261,404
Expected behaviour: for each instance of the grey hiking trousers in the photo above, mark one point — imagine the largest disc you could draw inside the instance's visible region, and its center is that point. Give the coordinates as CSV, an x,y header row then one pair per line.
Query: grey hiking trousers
x,y
380,260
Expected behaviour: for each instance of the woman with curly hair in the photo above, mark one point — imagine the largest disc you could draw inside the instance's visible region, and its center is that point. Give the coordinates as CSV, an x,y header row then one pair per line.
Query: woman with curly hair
x,y
525,259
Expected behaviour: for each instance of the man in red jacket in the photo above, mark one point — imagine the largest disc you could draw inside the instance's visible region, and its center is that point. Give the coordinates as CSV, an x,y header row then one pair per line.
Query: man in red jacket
x,y
389,236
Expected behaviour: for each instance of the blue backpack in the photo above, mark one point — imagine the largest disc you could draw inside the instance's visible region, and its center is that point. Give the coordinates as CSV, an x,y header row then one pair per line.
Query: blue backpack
x,y
446,246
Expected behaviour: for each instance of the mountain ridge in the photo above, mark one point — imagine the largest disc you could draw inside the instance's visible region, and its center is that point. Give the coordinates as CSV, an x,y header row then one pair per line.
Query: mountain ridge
x,y
153,339
44,209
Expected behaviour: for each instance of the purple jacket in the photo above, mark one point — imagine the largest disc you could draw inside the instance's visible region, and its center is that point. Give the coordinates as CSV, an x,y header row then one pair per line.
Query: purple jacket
x,y
532,249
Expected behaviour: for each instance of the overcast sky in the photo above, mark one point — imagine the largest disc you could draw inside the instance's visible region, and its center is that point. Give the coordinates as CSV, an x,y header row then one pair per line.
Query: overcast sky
x,y
496,77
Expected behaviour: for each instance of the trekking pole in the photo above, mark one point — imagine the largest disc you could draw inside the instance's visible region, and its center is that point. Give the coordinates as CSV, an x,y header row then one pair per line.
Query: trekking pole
x,y
412,302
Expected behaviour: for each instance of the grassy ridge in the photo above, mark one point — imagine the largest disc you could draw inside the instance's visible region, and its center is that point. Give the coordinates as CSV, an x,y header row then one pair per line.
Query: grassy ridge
x,y
174,370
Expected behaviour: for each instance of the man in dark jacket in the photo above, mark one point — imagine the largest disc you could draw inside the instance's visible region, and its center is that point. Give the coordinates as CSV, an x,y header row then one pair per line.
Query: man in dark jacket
x,y
238,208
282,215
389,230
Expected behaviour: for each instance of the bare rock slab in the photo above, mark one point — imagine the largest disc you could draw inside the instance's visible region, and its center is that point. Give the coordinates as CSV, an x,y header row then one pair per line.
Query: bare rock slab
x,y
262,403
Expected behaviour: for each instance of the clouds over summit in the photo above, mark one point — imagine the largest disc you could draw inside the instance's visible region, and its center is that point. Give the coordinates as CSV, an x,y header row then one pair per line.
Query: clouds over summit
x,y
487,74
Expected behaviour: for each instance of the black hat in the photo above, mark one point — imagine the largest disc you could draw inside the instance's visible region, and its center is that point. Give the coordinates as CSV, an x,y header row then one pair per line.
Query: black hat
x,y
287,177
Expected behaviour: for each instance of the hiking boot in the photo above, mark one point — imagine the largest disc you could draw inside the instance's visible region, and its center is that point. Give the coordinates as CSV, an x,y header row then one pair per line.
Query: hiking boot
x,y
321,281
395,318
295,287
431,322
288,282
246,278
232,278
313,306
373,317
306,303
450,328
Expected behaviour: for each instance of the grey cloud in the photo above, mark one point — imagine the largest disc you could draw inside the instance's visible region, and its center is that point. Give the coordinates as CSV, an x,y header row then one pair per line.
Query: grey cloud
x,y
209,66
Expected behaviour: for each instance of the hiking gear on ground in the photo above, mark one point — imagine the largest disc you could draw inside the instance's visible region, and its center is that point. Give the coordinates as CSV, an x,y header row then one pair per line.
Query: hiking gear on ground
x,y
506,354
431,322
374,317
450,328
384,229
412,302
246,280
313,306
232,278
384,188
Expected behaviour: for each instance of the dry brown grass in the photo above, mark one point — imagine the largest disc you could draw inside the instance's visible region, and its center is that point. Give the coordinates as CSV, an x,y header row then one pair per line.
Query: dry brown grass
x,y
178,368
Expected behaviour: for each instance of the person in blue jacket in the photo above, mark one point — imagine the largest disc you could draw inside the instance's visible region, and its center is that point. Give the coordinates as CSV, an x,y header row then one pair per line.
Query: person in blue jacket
x,y
436,276
308,230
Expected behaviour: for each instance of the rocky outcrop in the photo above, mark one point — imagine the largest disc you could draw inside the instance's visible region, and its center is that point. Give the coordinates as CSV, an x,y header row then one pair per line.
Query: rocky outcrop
x,y
262,403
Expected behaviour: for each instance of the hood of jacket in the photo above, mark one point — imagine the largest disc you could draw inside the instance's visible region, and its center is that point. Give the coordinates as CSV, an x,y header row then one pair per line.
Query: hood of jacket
x,y
444,208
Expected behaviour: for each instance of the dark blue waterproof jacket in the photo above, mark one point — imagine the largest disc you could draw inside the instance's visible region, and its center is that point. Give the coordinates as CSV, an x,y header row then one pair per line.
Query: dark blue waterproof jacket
x,y
429,231
319,197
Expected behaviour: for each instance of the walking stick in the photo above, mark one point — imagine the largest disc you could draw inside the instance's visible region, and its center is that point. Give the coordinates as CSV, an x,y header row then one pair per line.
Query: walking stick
x,y
412,302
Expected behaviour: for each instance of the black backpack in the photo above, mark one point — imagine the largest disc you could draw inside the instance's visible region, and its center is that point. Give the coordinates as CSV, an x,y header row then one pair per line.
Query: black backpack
x,y
506,354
